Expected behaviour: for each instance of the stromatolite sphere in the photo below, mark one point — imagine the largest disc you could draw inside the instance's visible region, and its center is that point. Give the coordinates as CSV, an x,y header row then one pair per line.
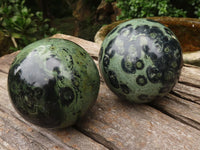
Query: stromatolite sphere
x,y
53,82
140,60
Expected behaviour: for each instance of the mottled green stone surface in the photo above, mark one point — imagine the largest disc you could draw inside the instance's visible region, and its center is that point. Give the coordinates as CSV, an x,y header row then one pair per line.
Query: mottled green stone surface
x,y
53,82
140,60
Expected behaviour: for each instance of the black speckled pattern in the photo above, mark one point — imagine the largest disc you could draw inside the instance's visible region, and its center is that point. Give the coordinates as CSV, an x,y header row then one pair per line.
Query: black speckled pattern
x,y
53,82
140,60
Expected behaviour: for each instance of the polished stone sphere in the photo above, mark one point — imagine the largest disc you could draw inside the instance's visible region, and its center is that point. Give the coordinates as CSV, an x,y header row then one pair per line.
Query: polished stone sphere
x,y
140,60
53,82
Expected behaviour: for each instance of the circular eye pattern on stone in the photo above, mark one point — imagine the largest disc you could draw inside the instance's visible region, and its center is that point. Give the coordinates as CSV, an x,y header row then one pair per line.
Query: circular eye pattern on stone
x,y
141,60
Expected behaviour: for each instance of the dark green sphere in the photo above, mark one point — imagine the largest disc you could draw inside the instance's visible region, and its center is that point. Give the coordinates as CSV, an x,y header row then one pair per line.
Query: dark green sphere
x,y
140,60
53,82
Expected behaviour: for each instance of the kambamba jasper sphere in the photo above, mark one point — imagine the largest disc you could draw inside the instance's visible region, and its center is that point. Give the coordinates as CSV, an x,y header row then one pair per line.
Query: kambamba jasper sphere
x,y
53,82
140,60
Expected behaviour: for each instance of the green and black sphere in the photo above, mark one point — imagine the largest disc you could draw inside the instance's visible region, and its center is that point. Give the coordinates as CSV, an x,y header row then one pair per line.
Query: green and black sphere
x,y
140,60
53,82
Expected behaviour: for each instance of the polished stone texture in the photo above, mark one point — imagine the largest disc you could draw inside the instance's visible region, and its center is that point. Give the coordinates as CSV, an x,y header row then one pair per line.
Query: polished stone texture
x,y
53,82
140,60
